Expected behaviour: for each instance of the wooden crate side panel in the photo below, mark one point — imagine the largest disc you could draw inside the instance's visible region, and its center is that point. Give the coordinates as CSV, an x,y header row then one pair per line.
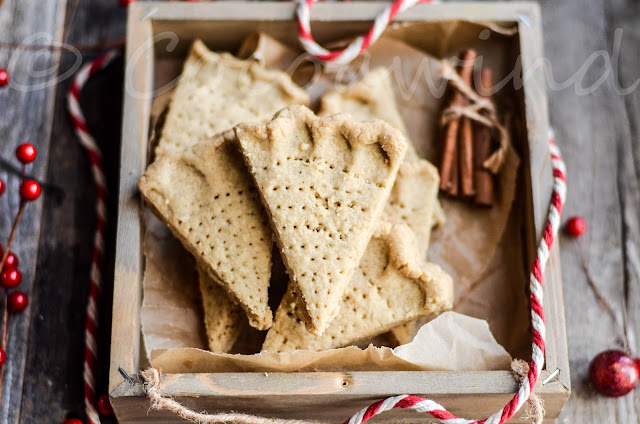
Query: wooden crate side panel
x,y
308,395
540,186
125,338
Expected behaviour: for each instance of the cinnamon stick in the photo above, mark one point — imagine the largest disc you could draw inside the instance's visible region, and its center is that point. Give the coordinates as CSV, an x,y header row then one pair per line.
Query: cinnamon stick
x,y
449,166
466,135
449,162
454,183
483,143
466,158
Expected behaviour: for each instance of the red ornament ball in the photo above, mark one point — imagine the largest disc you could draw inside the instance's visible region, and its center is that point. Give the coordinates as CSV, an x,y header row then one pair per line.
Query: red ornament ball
x,y
104,406
614,373
4,77
29,190
26,153
3,356
73,421
11,261
575,226
17,301
125,3
10,278
3,186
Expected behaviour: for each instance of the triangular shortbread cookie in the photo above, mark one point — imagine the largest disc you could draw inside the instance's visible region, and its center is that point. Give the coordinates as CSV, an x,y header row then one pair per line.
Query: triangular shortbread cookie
x,y
207,198
391,286
223,319
413,200
368,98
324,182
414,196
216,92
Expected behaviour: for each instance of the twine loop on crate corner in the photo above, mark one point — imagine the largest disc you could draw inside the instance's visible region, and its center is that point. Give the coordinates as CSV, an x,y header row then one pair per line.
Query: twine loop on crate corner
x,y
480,110
152,377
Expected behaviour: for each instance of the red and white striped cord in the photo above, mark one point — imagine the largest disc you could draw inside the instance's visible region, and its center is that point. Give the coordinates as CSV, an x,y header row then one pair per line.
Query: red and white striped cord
x,y
360,44
97,168
551,227
416,403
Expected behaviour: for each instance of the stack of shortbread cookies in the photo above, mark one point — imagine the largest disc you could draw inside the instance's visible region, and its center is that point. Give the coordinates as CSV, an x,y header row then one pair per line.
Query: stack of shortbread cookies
x,y
242,163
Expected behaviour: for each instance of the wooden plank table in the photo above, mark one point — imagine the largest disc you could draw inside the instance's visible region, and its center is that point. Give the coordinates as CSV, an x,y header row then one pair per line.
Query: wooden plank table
x,y
591,47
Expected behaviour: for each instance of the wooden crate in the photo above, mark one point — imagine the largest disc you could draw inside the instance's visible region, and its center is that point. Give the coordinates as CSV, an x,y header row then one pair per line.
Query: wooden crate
x,y
326,396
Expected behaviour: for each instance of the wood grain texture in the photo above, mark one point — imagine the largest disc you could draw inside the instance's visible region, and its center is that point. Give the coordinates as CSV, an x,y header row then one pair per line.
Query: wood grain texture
x,y
597,131
487,391
27,114
599,134
53,388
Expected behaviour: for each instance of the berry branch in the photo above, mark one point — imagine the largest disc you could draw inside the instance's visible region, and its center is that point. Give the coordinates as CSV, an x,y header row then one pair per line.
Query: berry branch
x,y
612,372
10,276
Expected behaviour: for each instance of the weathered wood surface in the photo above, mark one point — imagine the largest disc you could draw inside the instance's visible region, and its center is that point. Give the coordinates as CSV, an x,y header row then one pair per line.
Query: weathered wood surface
x,y
52,346
26,114
598,131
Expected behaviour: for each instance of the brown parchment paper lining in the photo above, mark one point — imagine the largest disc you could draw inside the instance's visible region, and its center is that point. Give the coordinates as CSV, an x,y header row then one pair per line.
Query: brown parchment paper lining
x,y
488,270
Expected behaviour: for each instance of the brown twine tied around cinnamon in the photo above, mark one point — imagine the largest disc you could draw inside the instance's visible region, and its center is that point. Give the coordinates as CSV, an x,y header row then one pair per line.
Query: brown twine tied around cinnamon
x,y
152,378
479,109
535,407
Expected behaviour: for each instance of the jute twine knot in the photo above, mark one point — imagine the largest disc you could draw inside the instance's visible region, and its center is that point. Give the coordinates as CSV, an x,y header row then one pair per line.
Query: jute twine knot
x,y
152,379
480,110
535,407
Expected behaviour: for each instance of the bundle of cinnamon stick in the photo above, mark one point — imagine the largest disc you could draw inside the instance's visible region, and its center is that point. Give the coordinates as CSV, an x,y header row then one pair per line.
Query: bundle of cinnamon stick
x,y
467,144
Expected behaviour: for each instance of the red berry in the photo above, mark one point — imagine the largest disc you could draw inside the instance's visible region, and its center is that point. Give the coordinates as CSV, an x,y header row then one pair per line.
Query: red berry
x,y
4,77
613,373
104,406
17,301
11,261
3,356
125,3
3,186
575,226
73,421
26,153
10,277
29,190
